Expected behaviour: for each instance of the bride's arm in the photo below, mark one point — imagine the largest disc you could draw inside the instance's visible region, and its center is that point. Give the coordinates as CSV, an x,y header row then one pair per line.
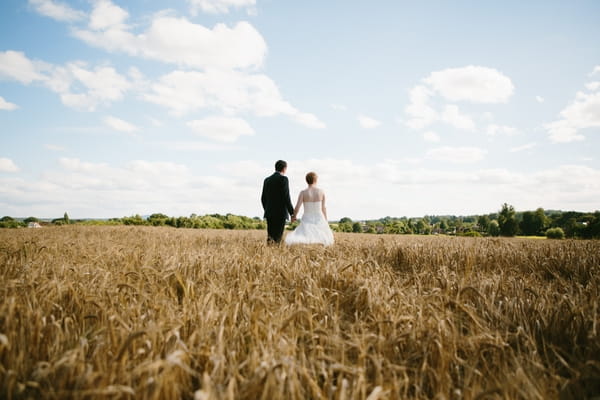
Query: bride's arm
x,y
298,203
323,208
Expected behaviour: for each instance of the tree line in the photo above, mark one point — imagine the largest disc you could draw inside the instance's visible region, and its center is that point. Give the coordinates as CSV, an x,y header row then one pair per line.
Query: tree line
x,y
505,222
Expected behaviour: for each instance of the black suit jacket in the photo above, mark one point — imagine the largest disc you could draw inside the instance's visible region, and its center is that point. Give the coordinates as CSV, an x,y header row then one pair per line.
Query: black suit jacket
x,y
276,197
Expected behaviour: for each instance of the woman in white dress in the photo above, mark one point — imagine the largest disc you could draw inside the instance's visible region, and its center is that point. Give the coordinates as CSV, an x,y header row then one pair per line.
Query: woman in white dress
x,y
313,227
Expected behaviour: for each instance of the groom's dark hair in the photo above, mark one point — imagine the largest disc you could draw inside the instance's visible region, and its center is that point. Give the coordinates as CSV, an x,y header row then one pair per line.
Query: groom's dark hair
x,y
280,165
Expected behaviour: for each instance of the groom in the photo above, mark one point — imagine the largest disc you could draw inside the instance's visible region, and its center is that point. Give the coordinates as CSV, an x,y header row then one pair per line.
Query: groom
x,y
276,202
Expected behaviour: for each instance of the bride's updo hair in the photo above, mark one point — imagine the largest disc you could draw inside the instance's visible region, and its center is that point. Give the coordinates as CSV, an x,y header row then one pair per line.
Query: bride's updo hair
x,y
311,178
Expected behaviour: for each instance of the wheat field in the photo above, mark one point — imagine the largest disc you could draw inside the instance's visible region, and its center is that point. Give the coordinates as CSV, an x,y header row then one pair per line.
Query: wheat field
x,y
162,313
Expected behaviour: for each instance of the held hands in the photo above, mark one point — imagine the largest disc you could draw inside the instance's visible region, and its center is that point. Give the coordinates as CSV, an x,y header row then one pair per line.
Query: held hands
x,y
294,218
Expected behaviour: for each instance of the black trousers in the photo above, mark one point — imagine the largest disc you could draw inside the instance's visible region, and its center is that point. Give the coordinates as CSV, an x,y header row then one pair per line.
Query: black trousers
x,y
275,227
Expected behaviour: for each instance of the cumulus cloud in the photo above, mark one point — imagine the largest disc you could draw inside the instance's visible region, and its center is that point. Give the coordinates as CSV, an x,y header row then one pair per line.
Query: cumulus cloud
x,y
54,147
431,136
367,122
16,66
101,85
56,10
582,113
190,145
229,91
595,71
307,119
78,85
472,83
527,146
224,60
458,155
119,124
7,165
220,6
175,40
494,129
592,86
222,129
107,15
539,99
453,116
421,113
6,105
88,189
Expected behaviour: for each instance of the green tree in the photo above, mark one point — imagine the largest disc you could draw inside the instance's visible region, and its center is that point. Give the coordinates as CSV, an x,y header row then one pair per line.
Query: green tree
x,y
443,225
493,228
357,227
507,221
533,223
66,218
527,224
157,219
555,233
483,221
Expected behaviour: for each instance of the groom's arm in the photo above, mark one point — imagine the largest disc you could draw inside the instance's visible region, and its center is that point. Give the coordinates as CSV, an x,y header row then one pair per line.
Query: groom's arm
x,y
263,196
286,196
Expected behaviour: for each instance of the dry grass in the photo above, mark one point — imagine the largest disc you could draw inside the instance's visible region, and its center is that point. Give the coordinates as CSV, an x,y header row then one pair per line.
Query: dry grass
x,y
160,313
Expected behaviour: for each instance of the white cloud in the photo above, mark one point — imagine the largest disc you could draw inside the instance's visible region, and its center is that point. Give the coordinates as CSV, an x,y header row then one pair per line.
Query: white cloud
x,y
458,155
119,124
101,85
472,83
595,71
7,165
107,15
494,130
194,146
539,99
367,122
87,189
221,129
220,6
175,40
6,105
226,90
527,146
592,86
431,136
78,85
308,120
452,116
487,116
54,147
56,10
582,113
16,66
421,113
227,56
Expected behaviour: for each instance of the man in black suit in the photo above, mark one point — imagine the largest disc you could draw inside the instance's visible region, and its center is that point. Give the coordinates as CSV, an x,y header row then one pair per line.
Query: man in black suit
x,y
276,202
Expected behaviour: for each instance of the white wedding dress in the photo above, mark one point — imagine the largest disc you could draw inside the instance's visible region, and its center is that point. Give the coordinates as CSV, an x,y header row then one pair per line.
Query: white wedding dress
x,y
313,227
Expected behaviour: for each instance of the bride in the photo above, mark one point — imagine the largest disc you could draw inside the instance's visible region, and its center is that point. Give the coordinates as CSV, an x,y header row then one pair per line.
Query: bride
x,y
313,227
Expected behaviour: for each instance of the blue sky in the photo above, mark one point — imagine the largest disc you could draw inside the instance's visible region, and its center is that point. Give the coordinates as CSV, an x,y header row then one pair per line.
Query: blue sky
x,y
114,108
